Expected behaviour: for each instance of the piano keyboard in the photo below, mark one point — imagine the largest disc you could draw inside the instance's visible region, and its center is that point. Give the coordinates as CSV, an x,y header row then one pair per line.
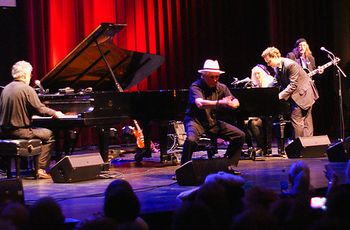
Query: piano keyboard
x,y
70,116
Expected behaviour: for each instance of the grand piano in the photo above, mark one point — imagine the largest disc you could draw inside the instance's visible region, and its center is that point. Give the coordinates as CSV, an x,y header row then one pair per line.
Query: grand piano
x,y
88,85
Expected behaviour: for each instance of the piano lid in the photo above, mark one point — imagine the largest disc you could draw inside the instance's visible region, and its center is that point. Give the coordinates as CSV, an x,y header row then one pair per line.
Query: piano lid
x,y
85,67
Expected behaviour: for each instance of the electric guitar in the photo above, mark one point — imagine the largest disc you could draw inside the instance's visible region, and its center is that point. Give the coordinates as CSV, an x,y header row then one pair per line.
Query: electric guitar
x,y
328,64
140,139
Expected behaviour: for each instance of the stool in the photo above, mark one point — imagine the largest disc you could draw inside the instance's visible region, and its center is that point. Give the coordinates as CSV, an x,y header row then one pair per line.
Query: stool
x,y
178,136
17,148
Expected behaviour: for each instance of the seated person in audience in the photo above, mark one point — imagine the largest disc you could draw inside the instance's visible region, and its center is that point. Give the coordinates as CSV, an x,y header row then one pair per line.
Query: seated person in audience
x,y
338,198
259,128
46,213
222,193
97,223
18,103
299,178
16,213
123,206
334,180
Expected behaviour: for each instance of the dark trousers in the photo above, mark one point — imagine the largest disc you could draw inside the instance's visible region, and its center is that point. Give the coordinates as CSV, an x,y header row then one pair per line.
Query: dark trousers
x,y
222,130
260,129
45,135
302,122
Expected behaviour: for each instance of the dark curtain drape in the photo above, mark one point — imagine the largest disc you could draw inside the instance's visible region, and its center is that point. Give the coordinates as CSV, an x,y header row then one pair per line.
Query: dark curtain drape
x,y
186,32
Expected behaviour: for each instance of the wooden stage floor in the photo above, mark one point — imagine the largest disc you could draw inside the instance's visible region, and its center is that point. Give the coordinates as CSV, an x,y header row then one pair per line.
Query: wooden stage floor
x,y
153,183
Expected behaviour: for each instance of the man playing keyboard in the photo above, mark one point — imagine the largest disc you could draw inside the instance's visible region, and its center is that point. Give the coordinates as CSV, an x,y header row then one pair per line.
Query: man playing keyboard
x,y
18,103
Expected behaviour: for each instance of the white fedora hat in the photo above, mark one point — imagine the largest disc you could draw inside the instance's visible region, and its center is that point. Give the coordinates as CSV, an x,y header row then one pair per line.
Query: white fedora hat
x,y
211,66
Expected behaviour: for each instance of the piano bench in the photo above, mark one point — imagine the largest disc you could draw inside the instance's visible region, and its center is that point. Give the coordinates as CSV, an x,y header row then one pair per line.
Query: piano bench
x,y
18,148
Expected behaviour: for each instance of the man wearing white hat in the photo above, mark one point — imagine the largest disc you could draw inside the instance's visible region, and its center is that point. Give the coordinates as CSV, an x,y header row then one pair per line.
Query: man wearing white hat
x,y
206,96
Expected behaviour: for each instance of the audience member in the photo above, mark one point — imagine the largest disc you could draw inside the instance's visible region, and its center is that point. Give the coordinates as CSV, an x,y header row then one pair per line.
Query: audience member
x,y
16,213
7,225
122,205
98,223
222,193
46,213
299,178
254,220
259,198
193,215
338,198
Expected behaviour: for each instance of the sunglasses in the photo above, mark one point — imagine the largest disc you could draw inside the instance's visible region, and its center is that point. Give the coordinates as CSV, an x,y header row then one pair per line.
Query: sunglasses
x,y
214,77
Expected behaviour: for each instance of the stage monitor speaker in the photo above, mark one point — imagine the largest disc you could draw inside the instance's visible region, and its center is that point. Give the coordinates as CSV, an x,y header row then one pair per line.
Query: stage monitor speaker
x,y
308,147
77,168
194,172
11,190
339,152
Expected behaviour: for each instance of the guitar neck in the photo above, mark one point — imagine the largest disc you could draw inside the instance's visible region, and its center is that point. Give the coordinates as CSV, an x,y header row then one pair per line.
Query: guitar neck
x,y
137,126
328,64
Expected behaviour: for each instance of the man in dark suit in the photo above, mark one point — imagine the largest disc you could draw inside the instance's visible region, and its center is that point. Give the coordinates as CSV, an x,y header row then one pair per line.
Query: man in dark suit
x,y
296,87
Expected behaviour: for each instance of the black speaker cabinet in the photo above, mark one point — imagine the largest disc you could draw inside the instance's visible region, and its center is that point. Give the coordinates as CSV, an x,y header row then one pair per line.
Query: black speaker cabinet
x,y
308,147
194,172
339,152
77,168
11,190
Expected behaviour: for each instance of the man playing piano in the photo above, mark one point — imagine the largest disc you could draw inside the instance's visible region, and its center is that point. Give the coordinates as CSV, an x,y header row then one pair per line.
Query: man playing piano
x,y
206,96
297,88
18,102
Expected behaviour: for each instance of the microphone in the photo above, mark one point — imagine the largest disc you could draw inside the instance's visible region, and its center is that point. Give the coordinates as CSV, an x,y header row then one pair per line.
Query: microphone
x,y
37,83
327,51
234,80
245,80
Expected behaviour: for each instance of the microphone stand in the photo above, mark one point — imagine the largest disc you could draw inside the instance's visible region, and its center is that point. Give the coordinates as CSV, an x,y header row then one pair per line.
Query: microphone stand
x,y
339,74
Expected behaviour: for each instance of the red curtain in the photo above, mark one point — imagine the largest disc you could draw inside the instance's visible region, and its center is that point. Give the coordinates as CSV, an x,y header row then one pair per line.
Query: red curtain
x,y
153,26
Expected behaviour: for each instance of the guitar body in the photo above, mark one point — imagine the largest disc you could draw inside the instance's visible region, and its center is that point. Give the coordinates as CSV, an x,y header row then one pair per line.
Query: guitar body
x,y
140,139
140,142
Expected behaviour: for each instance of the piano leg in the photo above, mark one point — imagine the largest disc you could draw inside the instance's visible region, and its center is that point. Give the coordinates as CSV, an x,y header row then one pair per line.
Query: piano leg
x,y
69,140
58,154
103,143
163,132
